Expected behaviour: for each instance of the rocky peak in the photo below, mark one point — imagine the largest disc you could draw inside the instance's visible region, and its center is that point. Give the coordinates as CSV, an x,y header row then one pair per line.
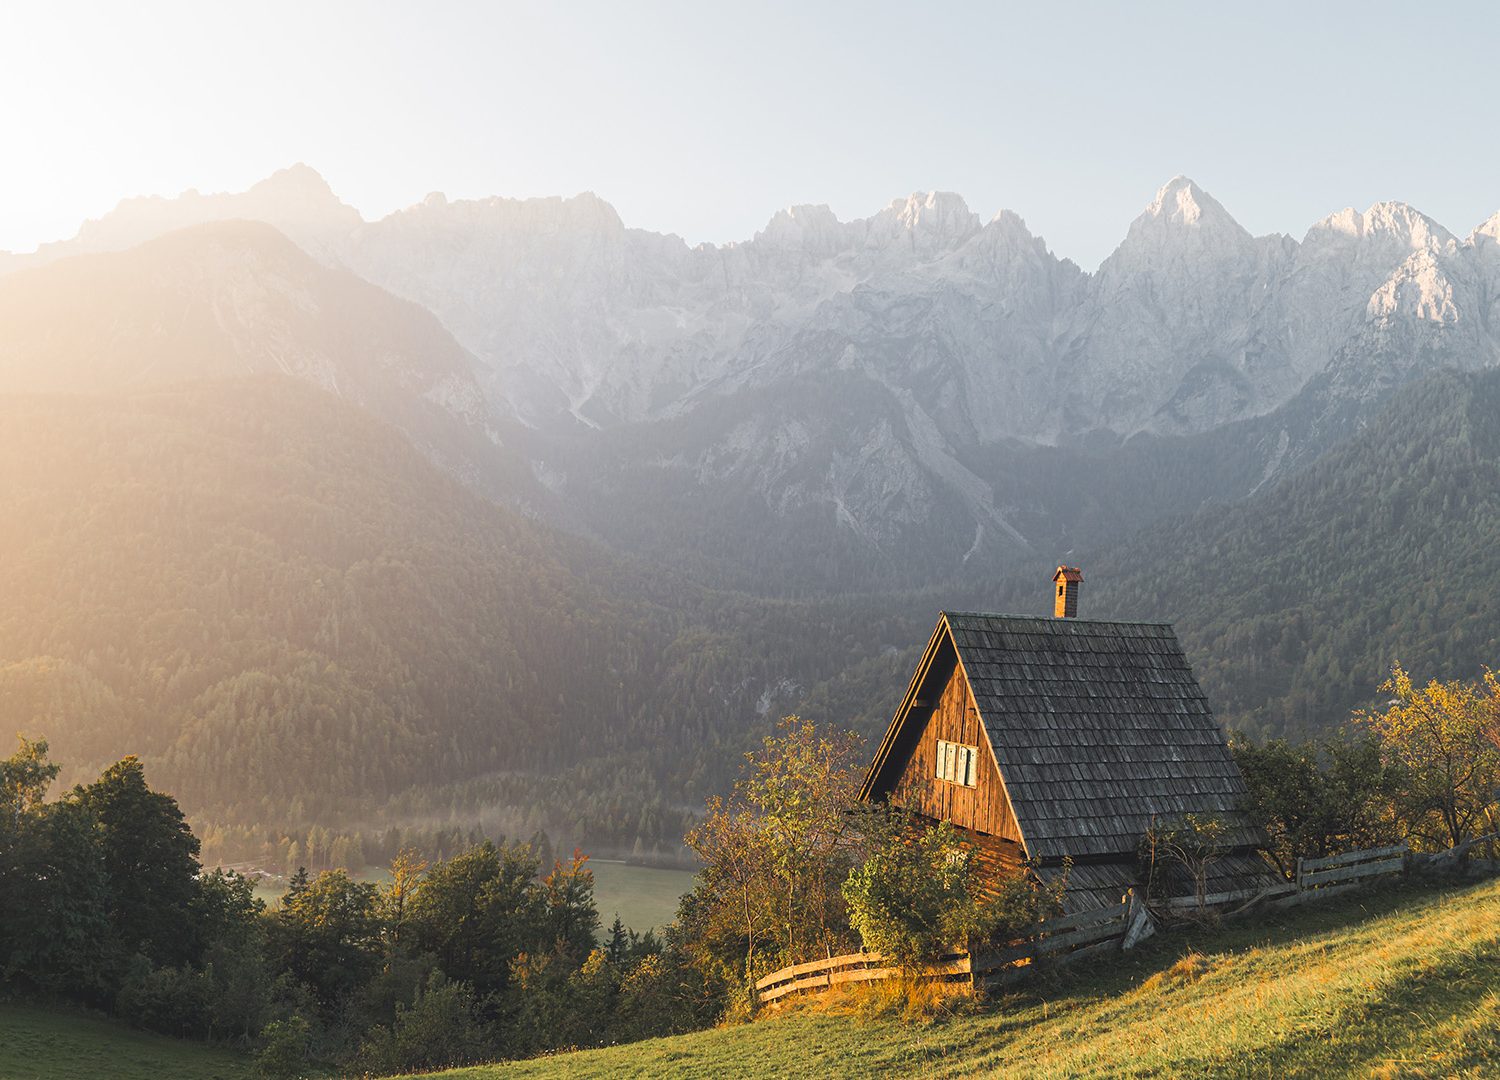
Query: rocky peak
x,y
1388,224
1487,236
926,224
1182,225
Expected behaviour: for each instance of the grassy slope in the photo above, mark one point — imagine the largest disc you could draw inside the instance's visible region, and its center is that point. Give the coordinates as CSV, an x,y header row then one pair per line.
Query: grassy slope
x,y
1403,983
62,1044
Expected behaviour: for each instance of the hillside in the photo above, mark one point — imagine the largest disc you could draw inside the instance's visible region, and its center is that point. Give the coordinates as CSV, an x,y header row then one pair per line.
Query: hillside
x,y
39,1043
237,298
1294,603
293,617
1404,983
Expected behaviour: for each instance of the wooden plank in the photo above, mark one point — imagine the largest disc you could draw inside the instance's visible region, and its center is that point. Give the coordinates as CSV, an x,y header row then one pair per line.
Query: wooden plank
x,y
818,965
1179,903
808,983
1353,872
1061,942
1309,895
1003,957
1107,945
1083,918
1364,855
836,978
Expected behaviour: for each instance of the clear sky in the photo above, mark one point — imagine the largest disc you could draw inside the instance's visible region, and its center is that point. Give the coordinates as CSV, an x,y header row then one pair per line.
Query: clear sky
x,y
703,118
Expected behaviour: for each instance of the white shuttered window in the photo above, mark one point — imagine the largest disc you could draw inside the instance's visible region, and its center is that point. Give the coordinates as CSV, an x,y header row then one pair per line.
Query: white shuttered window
x,y
956,763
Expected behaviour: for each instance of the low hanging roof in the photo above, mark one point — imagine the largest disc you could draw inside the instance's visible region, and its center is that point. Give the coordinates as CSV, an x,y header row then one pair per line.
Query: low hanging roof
x,y
1096,727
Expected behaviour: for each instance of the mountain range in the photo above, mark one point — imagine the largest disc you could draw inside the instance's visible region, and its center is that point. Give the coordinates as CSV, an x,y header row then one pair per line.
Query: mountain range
x,y
873,394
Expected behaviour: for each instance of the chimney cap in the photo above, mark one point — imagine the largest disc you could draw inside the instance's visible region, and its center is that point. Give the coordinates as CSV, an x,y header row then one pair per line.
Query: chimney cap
x,y
1068,573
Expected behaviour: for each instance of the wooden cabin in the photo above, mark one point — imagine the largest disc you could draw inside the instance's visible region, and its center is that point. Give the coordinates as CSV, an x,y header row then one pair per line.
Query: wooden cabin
x,y
1051,739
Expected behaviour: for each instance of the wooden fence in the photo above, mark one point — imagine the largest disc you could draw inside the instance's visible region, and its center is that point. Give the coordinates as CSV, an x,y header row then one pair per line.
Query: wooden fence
x,y
1322,878
1069,937
1056,940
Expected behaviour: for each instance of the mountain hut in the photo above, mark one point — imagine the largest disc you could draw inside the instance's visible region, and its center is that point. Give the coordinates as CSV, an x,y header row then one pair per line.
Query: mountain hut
x,y
1046,740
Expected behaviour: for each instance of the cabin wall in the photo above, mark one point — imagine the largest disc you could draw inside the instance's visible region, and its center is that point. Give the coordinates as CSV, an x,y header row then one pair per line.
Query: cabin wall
x,y
983,808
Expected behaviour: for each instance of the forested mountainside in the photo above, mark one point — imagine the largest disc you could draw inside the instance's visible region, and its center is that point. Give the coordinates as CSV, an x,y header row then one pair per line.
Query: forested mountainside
x,y
292,617
1294,603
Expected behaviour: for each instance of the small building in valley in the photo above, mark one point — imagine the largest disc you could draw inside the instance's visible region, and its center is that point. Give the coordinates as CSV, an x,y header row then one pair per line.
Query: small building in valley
x,y
1056,741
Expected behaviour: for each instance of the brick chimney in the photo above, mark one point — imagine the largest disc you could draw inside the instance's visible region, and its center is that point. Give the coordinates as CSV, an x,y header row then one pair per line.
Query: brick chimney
x,y
1068,579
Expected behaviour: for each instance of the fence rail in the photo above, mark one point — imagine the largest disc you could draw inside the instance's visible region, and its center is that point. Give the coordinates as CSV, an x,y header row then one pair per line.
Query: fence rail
x,y
1351,867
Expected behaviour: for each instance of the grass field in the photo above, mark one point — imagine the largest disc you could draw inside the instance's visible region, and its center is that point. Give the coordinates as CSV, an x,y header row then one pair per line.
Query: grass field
x,y
1404,983
644,897
64,1044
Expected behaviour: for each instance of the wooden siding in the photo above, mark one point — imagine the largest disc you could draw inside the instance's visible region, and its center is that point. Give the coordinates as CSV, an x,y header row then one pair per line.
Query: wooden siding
x,y
982,808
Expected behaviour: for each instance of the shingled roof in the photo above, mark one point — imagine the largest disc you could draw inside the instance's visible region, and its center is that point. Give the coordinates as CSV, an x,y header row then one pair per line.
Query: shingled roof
x,y
1096,727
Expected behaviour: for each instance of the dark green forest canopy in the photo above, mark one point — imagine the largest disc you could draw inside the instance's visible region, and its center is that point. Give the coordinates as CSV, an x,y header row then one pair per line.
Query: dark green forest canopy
x,y
1294,604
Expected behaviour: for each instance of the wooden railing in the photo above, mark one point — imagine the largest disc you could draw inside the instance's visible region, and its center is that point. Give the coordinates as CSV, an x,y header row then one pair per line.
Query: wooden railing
x,y
1056,940
1350,868
851,968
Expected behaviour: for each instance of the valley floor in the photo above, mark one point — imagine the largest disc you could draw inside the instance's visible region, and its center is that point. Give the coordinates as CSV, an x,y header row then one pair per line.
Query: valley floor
x,y
1404,983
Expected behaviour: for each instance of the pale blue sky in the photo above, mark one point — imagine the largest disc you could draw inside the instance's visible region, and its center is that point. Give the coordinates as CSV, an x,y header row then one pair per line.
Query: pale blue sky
x,y
702,119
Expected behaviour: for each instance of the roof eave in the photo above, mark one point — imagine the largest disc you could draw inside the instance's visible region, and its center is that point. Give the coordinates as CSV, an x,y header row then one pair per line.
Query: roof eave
x,y
934,643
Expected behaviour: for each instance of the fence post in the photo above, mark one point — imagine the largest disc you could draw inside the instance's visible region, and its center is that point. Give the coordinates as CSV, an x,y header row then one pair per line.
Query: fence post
x,y
1299,873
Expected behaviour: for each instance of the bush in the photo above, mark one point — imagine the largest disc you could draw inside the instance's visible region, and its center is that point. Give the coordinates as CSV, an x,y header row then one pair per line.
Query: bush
x,y
441,1029
283,1055
911,899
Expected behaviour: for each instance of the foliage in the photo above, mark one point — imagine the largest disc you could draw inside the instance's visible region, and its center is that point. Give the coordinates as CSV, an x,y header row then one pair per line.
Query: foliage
x,y
1016,904
150,864
1320,797
24,779
441,1028
1436,734
326,935
477,911
283,1056
1177,848
775,852
913,898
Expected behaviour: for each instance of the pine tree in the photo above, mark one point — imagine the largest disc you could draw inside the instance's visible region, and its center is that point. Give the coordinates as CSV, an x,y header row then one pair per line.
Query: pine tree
x,y
618,945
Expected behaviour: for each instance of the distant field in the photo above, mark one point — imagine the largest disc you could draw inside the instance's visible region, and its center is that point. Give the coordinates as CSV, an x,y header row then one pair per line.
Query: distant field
x,y
1400,984
645,898
62,1044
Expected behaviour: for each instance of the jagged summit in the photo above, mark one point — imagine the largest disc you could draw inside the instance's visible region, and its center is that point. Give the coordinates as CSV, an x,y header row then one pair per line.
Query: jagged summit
x,y
1182,203
299,177
1391,220
1487,233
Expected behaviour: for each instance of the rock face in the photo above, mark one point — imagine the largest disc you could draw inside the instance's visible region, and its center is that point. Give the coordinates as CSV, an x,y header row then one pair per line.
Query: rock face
x,y
641,367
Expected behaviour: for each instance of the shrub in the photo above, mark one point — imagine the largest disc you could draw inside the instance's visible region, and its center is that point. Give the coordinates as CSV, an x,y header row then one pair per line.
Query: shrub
x,y
441,1029
911,899
283,1055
